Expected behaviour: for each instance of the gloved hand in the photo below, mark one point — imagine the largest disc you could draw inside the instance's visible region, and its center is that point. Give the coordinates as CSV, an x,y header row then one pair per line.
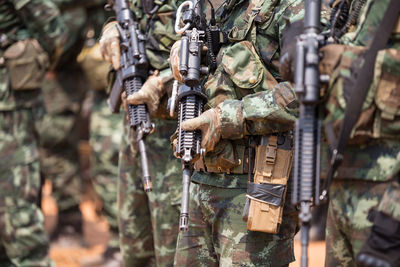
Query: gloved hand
x,y
150,93
123,101
109,44
382,248
210,125
288,55
174,58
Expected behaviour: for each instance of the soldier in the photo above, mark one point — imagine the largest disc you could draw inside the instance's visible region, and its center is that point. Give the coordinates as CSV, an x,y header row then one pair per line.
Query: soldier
x,y
64,90
247,99
368,178
30,33
148,222
105,133
364,195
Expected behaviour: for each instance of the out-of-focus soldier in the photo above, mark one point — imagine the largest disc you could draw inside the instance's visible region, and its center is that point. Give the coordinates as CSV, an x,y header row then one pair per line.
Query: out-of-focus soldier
x,y
364,203
64,90
363,221
31,32
105,132
148,222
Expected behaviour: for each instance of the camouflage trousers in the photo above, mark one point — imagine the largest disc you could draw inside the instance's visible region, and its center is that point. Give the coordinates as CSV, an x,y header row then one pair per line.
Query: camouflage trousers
x,y
347,224
23,239
63,92
105,137
218,236
148,223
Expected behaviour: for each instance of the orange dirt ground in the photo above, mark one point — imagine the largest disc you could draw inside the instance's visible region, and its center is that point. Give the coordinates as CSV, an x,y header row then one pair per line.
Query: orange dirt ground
x,y
96,236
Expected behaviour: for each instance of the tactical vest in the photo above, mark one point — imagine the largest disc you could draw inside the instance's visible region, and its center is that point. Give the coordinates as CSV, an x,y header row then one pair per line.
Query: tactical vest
x,y
380,118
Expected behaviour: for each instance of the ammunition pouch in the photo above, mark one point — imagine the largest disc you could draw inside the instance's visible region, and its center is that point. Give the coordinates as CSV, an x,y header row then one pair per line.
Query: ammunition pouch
x,y
229,156
26,63
266,194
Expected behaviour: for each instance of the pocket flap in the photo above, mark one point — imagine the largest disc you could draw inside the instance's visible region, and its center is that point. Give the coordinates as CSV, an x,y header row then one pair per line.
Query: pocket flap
x,y
242,64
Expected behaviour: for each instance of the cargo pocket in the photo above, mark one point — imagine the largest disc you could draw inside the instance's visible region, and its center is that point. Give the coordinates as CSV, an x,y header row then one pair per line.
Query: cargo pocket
x,y
246,71
27,64
387,97
223,158
243,66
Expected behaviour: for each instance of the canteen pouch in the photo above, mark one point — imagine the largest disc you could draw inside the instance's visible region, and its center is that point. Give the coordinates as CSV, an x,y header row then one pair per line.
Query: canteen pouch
x,y
26,63
266,194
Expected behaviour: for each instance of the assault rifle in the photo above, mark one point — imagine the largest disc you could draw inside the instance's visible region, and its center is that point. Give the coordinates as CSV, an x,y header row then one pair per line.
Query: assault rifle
x,y
308,127
195,34
133,72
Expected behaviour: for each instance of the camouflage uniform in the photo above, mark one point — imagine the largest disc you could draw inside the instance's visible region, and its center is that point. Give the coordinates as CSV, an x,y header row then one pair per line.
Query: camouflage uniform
x,y
368,177
251,104
105,137
148,223
23,238
105,129
63,97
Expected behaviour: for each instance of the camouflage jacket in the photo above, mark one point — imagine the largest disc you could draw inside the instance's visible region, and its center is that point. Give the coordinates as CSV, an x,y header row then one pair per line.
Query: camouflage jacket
x,y
246,84
21,20
373,152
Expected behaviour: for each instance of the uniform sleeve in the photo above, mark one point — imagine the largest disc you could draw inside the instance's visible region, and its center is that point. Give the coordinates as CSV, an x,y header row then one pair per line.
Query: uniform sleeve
x,y
262,113
43,20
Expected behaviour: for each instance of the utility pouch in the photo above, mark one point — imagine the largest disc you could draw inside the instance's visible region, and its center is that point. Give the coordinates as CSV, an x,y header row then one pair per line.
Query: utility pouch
x,y
266,194
95,68
26,63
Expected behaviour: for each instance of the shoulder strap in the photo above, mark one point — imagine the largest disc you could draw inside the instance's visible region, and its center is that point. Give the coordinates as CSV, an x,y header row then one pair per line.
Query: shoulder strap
x,y
363,79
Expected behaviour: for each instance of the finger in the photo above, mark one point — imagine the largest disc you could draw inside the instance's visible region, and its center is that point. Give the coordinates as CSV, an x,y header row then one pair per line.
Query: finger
x,y
115,53
103,50
193,124
137,98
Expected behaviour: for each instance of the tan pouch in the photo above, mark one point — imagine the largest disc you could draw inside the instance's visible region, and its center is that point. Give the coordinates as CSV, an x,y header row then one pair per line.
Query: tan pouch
x,y
26,64
95,68
266,196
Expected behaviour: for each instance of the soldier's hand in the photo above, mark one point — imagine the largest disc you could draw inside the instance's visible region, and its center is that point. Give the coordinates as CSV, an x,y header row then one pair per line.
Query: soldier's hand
x,y
174,58
123,101
109,44
288,54
210,125
150,93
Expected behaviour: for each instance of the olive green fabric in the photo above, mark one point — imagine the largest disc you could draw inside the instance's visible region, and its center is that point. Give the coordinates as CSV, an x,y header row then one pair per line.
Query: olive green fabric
x,y
368,177
23,238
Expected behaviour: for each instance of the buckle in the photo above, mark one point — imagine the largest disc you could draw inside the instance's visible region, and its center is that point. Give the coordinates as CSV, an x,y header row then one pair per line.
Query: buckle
x,y
270,154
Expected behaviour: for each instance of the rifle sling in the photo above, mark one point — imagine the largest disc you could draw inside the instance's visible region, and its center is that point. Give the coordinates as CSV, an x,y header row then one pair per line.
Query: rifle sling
x,y
363,79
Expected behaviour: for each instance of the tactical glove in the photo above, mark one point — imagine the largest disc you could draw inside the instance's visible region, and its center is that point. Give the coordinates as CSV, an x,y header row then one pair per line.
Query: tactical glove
x,y
288,55
210,125
109,44
150,93
382,248
174,61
